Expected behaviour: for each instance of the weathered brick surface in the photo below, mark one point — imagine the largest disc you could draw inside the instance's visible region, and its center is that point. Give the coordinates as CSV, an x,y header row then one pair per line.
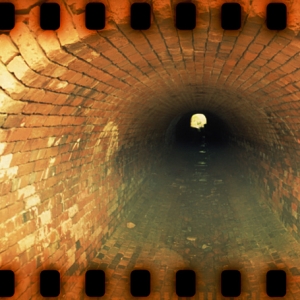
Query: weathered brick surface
x,y
83,116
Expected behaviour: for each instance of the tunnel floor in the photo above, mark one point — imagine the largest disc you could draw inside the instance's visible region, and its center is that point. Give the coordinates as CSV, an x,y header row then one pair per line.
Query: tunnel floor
x,y
201,213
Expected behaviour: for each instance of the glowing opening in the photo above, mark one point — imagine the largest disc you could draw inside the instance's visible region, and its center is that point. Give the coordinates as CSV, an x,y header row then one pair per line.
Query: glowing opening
x,y
198,121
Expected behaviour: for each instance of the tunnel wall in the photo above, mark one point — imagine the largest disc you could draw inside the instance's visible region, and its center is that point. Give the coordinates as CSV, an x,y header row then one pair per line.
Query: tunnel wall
x,y
275,175
74,150
83,117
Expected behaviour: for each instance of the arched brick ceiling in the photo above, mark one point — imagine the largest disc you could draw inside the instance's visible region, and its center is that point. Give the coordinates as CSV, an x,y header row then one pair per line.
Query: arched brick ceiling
x,y
249,76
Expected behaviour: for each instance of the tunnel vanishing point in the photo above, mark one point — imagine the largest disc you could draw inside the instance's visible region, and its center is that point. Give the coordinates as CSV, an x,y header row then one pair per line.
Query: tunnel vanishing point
x,y
85,115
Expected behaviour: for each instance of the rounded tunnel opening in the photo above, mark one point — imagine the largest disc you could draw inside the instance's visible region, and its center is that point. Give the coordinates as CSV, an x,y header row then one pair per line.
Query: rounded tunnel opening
x,y
215,132
101,169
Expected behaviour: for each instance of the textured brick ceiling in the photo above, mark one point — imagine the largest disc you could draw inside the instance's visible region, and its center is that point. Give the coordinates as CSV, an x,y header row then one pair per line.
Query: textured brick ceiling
x,y
144,79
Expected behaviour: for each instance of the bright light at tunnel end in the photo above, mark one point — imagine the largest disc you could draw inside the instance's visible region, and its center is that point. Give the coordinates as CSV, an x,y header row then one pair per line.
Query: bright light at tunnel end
x,y
198,121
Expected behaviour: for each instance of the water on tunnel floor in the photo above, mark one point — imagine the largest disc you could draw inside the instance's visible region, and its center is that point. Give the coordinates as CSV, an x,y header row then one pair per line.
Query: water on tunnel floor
x,y
201,213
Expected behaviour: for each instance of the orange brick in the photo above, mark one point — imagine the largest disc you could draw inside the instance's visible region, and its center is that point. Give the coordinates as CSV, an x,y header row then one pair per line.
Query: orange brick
x,y
31,108
5,187
25,180
13,121
41,164
18,134
53,121
34,121
67,110
20,158
43,132
15,209
25,169
35,95
8,254
53,151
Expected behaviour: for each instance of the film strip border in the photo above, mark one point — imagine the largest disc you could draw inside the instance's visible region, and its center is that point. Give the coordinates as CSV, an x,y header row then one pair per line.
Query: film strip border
x,y
140,17
140,283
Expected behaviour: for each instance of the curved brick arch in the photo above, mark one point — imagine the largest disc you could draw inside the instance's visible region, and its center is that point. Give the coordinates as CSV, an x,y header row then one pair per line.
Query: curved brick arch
x,y
59,90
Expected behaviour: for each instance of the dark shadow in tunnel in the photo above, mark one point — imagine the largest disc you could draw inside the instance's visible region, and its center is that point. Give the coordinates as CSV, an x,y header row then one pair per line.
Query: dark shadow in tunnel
x,y
215,134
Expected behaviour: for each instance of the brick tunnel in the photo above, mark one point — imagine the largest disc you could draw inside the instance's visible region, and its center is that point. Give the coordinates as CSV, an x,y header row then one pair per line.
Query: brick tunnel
x,y
95,132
